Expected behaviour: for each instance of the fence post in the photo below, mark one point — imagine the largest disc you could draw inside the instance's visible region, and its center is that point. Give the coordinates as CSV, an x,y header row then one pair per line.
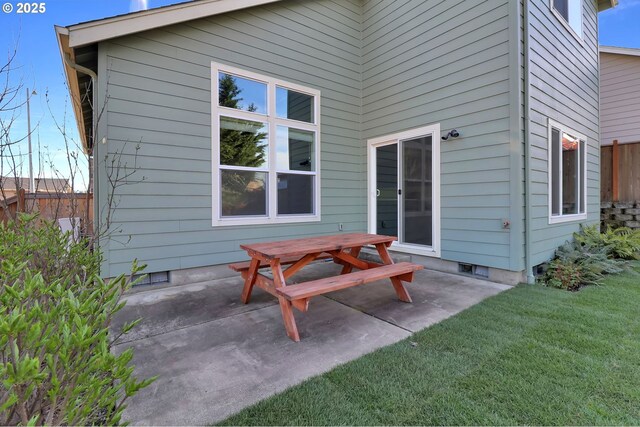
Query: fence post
x,y
21,202
615,171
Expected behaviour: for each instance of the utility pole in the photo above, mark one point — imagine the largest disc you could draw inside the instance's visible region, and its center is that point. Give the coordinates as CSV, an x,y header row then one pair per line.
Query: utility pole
x,y
32,186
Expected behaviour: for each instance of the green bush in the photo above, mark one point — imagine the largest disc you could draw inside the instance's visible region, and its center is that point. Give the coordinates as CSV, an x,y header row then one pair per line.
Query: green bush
x,y
623,243
576,265
57,366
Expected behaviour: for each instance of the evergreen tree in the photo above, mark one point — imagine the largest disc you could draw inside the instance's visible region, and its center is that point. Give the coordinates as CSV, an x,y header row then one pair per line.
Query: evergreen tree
x,y
228,92
241,144
244,144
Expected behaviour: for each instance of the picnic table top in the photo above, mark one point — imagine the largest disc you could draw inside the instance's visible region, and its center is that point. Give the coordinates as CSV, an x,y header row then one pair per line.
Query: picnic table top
x,y
309,245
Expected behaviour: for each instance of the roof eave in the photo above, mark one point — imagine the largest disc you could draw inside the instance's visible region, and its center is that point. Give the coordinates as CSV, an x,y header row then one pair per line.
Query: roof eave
x,y
606,4
62,35
92,32
104,29
620,50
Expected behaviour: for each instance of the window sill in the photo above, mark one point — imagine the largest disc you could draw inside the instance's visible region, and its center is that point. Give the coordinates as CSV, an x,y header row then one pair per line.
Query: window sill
x,y
567,218
231,222
415,249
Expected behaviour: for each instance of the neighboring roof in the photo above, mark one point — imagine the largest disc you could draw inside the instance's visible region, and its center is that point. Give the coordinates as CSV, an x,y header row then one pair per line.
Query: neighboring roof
x,y
46,185
620,50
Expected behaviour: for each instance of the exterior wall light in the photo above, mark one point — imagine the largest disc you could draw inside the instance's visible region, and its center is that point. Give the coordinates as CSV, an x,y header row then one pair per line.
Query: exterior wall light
x,y
452,133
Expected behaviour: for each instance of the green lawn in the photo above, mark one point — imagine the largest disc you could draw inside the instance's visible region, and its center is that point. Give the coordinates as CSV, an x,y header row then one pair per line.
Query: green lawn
x,y
531,355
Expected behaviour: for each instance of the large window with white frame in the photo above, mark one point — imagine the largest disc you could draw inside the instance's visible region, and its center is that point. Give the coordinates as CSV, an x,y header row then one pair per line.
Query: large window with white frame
x,y
570,14
567,174
266,149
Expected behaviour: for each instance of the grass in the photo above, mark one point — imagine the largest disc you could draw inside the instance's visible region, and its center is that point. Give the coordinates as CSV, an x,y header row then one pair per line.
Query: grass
x,y
531,355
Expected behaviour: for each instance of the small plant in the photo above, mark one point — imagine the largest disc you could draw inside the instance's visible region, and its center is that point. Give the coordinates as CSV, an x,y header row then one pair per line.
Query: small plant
x,y
576,265
56,363
563,276
623,243
591,255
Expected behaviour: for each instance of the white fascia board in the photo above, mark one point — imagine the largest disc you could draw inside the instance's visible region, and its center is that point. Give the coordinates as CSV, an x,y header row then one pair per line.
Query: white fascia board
x,y
62,35
620,50
118,26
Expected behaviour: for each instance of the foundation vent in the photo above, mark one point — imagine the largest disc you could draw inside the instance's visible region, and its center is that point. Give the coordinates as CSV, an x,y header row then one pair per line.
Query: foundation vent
x,y
475,270
153,278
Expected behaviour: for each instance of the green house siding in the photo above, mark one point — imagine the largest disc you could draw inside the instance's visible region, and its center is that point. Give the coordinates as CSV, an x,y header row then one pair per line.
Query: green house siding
x,y
428,62
159,98
382,67
564,88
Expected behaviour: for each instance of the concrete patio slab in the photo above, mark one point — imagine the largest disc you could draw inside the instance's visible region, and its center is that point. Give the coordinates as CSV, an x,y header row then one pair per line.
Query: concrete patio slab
x,y
172,308
212,370
215,356
435,296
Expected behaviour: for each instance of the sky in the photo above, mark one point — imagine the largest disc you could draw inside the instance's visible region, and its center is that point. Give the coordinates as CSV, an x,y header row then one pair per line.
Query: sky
x,y
39,66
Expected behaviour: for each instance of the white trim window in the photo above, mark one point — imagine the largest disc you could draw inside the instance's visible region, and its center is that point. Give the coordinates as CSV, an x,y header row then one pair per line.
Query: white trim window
x,y
567,174
569,12
266,149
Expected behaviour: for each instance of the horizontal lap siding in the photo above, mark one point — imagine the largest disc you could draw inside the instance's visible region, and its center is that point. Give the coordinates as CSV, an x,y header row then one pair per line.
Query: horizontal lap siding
x,y
159,100
619,98
447,62
564,87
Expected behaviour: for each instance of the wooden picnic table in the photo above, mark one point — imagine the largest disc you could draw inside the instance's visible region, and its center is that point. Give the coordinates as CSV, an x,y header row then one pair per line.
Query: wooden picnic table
x,y
344,249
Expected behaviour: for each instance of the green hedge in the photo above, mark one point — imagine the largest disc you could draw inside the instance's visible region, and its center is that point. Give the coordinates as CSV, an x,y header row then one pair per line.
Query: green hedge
x,y
57,366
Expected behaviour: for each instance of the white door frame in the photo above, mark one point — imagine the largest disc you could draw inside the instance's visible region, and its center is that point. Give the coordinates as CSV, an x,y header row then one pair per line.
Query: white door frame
x,y
372,144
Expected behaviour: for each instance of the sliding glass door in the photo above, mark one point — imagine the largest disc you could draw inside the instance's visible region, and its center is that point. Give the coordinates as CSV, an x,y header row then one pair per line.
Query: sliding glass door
x,y
404,190
416,207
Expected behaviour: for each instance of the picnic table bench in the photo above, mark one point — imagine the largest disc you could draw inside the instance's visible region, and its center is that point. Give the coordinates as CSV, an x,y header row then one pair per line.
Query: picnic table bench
x,y
344,249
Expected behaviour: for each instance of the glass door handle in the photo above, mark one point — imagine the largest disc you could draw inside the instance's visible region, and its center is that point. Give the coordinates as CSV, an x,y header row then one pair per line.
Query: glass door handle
x,y
377,192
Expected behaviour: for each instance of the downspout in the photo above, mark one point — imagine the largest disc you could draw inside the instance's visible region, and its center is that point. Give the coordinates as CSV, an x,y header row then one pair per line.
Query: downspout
x,y
94,86
94,81
527,144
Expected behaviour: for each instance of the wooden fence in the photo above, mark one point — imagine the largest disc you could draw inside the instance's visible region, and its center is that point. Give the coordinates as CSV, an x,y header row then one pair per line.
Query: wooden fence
x,y
50,206
620,173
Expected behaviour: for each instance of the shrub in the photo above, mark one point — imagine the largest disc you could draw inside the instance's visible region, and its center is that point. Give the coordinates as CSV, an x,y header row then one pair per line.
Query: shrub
x,y
563,276
576,265
57,366
621,242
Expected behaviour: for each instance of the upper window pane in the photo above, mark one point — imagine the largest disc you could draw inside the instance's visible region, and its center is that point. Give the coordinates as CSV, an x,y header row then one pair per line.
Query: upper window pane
x,y
243,143
575,16
568,171
571,11
242,94
555,172
294,105
295,149
562,7
570,181
583,172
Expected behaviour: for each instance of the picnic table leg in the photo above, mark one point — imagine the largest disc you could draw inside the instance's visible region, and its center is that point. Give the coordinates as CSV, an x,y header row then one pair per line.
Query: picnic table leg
x,y
401,291
250,280
285,305
354,252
